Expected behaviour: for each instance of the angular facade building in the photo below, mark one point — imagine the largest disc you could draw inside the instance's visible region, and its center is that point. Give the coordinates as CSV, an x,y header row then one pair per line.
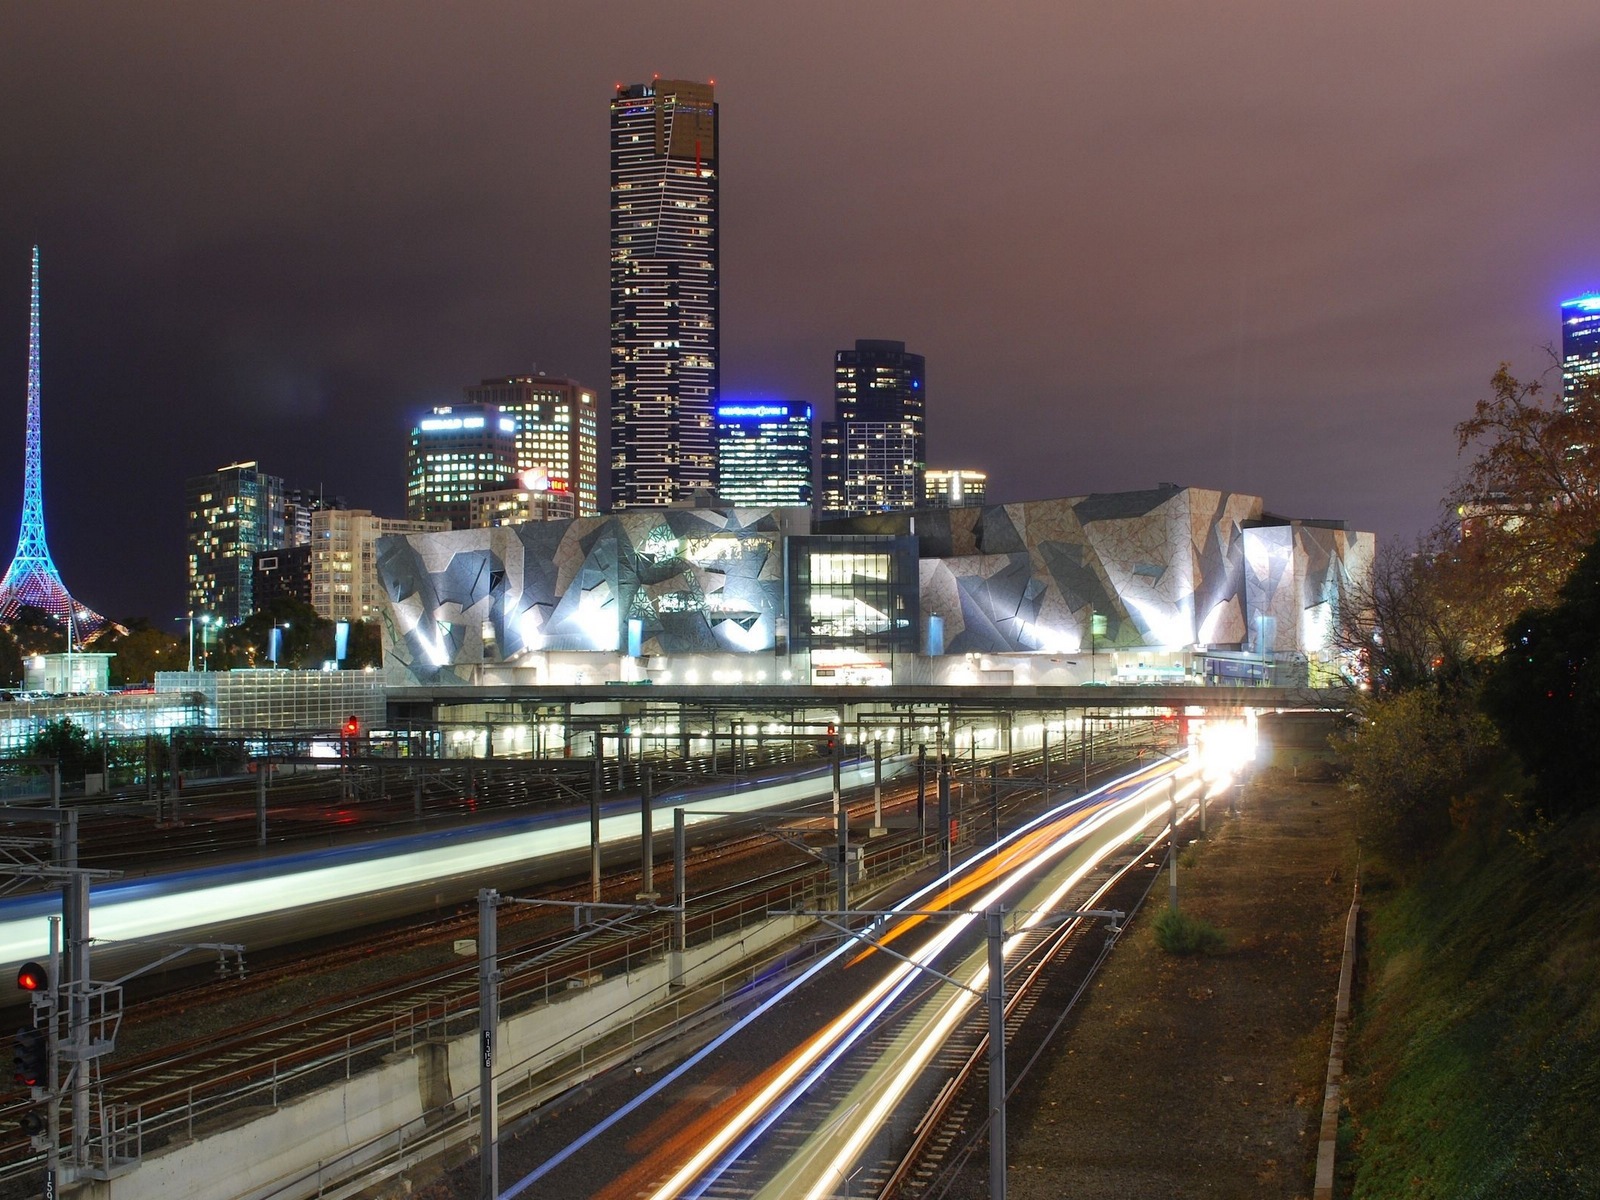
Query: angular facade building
x,y
1168,584
875,450
665,292
764,454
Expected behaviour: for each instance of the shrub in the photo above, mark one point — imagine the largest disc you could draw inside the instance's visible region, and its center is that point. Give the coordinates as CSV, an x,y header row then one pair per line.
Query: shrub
x,y
1179,933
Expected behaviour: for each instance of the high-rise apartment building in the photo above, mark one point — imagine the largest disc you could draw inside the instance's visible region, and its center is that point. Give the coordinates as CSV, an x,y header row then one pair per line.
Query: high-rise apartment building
x,y
1580,344
664,292
764,454
298,505
344,562
457,450
558,432
874,452
233,512
953,488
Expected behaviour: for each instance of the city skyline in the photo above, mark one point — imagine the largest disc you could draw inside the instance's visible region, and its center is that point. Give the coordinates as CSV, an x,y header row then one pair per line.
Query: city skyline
x,y
1268,250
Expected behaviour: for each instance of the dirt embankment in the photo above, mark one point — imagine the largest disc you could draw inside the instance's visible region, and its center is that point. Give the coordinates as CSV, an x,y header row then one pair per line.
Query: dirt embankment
x,y
1202,1077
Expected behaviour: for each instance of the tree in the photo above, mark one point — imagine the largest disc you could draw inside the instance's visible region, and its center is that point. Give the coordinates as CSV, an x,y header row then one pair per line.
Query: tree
x,y
366,645
37,631
1401,624
10,660
1544,691
307,638
1410,756
65,742
141,650
1527,505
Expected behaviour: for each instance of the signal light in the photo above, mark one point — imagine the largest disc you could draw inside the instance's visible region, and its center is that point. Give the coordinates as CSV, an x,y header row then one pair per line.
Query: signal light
x,y
352,727
831,740
33,978
30,1057
31,1123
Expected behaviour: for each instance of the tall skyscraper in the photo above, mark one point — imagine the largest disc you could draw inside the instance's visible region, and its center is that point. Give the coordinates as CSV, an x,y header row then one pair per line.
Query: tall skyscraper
x,y
558,432
32,578
764,454
1580,344
233,512
875,451
456,451
664,292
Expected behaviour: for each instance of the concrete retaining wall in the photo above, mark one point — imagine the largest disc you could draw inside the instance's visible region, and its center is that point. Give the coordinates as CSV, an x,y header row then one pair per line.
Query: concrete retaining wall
x,y
278,1152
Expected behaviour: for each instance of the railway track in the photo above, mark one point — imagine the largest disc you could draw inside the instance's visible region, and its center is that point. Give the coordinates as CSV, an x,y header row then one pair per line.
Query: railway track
x,y
264,1059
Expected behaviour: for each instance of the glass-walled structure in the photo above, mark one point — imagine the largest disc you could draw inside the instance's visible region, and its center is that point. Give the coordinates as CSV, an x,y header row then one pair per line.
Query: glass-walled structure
x,y
852,603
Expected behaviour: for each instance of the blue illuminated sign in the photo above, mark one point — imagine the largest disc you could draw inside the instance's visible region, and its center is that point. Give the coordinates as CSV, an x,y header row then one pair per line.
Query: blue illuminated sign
x,y
1589,302
751,412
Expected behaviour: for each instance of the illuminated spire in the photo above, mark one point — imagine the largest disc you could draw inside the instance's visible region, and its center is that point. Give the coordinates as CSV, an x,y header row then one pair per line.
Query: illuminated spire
x,y
32,578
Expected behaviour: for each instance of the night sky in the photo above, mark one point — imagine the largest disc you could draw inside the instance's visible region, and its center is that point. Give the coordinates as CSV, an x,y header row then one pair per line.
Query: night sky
x,y
1271,247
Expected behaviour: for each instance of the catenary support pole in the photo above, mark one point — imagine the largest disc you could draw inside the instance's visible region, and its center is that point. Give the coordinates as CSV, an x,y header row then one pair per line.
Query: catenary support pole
x,y
647,837
594,826
944,817
488,1035
922,791
263,765
1172,842
997,1053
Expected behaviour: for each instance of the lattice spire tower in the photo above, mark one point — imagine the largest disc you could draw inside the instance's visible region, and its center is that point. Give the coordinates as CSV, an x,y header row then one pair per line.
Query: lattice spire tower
x,y
32,578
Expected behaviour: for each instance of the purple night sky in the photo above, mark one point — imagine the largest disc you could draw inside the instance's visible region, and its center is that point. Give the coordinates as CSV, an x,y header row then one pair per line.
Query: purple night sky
x,y
1270,247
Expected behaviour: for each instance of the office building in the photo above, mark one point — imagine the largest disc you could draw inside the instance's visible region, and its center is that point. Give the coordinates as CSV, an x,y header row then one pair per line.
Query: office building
x,y
232,513
533,499
344,568
456,451
764,454
953,487
874,452
558,432
1580,345
664,292
284,573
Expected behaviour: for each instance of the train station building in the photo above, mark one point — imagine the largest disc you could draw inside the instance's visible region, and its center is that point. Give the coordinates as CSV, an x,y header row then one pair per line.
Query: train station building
x,y
1166,585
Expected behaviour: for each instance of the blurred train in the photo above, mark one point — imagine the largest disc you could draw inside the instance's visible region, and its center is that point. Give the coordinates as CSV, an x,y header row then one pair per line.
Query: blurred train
x,y
296,897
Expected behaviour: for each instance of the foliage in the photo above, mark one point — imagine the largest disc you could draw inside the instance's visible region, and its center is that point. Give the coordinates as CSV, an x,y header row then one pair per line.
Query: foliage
x,y
1408,757
308,639
66,743
1475,1061
1528,504
37,632
141,650
1544,692
1178,932
1400,622
10,660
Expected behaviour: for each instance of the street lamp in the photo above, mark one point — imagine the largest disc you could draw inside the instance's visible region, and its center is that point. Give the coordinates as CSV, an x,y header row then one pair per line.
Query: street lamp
x,y
205,642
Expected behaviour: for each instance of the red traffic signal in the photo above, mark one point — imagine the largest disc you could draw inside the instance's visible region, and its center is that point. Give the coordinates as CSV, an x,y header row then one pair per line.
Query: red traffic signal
x,y
30,1057
33,978
352,727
